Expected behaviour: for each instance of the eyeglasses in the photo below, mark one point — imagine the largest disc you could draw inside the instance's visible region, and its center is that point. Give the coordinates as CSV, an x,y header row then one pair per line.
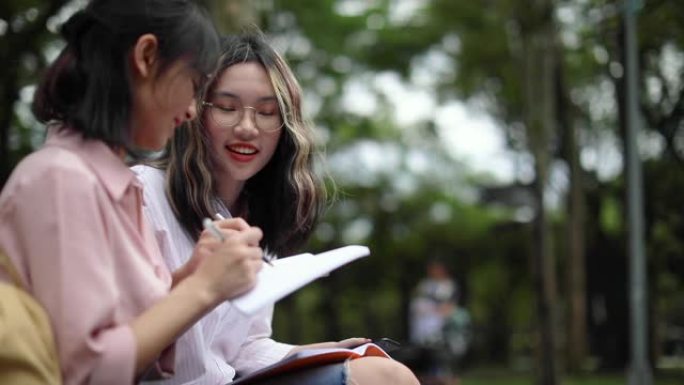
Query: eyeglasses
x,y
227,112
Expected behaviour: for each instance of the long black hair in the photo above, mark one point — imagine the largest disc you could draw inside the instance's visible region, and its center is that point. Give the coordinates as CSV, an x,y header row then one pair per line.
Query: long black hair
x,y
88,87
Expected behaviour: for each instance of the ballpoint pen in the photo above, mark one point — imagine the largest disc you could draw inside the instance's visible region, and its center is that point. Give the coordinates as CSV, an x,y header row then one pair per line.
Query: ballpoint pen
x,y
208,224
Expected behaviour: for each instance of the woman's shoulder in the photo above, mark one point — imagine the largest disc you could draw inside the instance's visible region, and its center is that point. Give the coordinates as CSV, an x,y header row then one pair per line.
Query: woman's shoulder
x,y
48,177
51,165
147,172
155,202
152,178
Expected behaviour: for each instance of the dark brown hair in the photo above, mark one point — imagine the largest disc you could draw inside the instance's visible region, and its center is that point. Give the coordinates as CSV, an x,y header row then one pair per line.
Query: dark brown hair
x,y
88,86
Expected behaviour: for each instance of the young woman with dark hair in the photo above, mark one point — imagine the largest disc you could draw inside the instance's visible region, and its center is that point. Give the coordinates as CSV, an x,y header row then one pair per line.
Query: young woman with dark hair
x,y
71,217
249,154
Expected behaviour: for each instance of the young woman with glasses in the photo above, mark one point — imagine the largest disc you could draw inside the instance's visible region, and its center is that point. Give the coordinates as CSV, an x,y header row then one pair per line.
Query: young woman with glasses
x,y
249,154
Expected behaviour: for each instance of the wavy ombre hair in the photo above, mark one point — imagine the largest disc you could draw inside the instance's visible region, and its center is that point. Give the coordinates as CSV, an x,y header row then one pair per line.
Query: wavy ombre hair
x,y
286,197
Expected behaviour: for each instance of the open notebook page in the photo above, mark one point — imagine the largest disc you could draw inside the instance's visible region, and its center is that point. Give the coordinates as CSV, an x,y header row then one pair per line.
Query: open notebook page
x,y
291,273
367,349
310,358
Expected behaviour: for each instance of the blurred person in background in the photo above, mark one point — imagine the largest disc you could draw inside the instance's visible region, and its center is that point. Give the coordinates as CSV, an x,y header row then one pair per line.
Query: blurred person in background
x,y
437,325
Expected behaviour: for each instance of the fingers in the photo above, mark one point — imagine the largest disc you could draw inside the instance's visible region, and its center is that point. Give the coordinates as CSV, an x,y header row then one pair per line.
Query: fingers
x,y
230,266
229,228
232,226
237,224
244,246
207,243
352,342
244,272
252,236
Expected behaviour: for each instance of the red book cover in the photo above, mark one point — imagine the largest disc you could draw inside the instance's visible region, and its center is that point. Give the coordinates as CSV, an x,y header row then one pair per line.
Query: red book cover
x,y
311,358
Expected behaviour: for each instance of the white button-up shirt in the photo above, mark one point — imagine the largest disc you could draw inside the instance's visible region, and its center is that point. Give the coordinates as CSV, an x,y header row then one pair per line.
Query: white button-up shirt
x,y
225,340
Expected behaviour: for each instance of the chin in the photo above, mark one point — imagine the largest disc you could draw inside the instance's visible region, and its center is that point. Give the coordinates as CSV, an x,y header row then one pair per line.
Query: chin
x,y
152,142
241,177
152,145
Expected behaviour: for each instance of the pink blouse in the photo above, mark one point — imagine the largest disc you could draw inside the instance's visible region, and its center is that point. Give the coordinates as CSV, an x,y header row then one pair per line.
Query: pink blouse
x,y
71,221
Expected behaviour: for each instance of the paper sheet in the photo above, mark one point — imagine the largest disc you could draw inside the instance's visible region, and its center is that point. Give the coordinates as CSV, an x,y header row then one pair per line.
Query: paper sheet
x,y
291,273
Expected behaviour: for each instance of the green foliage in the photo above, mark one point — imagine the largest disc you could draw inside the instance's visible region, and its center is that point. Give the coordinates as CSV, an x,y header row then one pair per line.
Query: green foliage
x,y
611,216
490,253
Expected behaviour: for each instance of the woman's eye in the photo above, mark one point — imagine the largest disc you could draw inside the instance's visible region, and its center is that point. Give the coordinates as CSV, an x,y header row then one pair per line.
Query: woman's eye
x,y
267,110
227,108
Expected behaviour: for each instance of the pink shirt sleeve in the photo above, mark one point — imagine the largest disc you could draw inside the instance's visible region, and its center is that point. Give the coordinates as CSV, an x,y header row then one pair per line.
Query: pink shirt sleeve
x,y
83,258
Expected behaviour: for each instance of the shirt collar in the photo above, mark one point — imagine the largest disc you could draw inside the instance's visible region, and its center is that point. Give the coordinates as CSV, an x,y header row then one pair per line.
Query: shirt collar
x,y
105,164
221,208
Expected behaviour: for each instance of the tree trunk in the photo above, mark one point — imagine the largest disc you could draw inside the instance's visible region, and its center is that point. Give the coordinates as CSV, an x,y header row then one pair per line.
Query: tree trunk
x,y
539,58
576,341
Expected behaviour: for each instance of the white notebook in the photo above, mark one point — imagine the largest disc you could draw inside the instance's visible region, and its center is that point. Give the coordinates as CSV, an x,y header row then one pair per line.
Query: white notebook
x,y
291,273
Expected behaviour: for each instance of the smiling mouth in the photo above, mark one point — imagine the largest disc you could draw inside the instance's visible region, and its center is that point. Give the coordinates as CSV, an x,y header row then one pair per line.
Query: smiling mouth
x,y
242,150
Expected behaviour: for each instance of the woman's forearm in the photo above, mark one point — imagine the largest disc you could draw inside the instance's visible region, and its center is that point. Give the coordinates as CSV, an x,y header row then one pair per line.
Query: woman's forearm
x,y
163,323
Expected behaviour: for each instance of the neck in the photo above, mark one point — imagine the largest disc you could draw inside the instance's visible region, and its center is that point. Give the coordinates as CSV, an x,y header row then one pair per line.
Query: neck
x,y
229,192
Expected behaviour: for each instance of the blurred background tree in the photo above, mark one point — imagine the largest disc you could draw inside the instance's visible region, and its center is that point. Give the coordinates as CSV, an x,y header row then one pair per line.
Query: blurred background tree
x,y
538,246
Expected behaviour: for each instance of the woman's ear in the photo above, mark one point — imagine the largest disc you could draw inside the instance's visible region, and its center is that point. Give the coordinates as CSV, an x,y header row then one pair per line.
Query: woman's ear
x,y
144,56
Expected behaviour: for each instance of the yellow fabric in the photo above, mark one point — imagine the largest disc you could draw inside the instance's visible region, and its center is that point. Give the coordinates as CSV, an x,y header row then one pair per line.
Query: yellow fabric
x,y
27,348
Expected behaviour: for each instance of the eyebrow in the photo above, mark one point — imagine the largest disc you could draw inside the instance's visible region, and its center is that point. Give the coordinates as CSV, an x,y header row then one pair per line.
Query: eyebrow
x,y
232,95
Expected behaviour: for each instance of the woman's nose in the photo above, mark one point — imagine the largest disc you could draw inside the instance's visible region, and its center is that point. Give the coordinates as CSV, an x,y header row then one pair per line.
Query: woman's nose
x,y
247,124
191,112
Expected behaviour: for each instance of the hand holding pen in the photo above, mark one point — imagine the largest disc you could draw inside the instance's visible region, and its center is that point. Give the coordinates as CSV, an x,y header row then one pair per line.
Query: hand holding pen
x,y
211,227
225,263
